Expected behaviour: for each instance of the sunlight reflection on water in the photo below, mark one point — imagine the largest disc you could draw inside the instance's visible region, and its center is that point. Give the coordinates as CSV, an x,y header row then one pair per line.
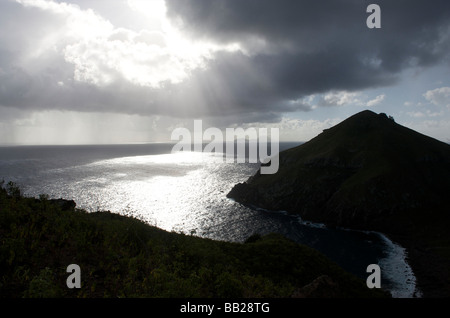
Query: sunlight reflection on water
x,y
176,192
186,192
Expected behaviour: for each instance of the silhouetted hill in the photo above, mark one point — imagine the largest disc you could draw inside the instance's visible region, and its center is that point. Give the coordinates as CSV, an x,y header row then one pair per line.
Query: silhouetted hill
x,y
367,172
122,257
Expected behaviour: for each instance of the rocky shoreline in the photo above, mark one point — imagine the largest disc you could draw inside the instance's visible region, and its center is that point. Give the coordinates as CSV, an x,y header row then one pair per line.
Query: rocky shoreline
x,y
432,272
369,173
123,257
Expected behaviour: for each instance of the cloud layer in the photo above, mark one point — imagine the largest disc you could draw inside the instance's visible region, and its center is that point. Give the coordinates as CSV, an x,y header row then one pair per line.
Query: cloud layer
x,y
242,61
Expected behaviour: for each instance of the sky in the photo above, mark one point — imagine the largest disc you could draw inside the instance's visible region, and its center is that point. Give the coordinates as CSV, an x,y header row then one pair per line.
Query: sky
x,y
131,71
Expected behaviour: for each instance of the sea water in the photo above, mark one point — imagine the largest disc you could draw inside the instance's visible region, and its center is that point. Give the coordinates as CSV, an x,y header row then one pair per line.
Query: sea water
x,y
185,192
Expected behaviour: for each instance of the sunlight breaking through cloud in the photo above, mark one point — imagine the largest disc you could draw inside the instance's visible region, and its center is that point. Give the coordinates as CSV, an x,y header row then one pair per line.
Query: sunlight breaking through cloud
x,y
102,53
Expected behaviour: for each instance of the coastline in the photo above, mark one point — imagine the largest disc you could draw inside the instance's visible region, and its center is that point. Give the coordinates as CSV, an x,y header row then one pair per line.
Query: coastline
x,y
431,271
426,253
398,253
124,257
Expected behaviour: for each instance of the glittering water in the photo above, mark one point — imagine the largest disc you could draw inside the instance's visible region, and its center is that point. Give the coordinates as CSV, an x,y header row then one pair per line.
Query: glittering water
x,y
186,192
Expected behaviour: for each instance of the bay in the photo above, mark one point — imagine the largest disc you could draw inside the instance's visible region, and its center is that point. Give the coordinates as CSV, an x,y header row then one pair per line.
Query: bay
x,y
185,192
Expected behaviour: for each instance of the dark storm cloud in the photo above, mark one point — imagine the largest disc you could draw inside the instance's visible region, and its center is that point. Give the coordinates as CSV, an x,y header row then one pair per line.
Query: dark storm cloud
x,y
320,25
291,49
275,20
325,44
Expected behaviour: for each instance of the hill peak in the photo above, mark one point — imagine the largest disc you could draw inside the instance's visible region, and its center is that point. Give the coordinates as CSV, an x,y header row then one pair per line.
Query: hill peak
x,y
368,173
363,121
368,115
357,173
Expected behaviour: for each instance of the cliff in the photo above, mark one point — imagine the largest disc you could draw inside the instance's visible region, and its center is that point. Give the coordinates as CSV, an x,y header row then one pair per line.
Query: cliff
x,y
367,172
360,173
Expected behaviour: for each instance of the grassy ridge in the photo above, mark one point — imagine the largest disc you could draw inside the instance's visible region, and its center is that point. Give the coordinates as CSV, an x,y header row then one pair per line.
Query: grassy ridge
x,y
123,257
369,173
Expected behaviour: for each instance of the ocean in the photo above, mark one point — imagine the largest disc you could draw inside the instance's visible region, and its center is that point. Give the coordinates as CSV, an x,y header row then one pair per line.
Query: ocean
x,y
185,192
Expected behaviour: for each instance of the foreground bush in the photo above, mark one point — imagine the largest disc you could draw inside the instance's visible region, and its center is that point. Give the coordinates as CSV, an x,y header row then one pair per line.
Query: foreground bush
x,y
123,257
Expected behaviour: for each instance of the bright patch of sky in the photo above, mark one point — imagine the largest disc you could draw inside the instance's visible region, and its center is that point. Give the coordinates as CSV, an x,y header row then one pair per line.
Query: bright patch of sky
x,y
132,71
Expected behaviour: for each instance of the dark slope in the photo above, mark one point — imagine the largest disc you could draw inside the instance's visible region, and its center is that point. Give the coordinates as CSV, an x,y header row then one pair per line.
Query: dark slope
x,y
359,174
123,257
367,172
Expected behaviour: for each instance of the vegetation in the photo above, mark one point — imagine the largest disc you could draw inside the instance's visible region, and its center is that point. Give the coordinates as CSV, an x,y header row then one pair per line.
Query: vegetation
x,y
123,257
369,173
